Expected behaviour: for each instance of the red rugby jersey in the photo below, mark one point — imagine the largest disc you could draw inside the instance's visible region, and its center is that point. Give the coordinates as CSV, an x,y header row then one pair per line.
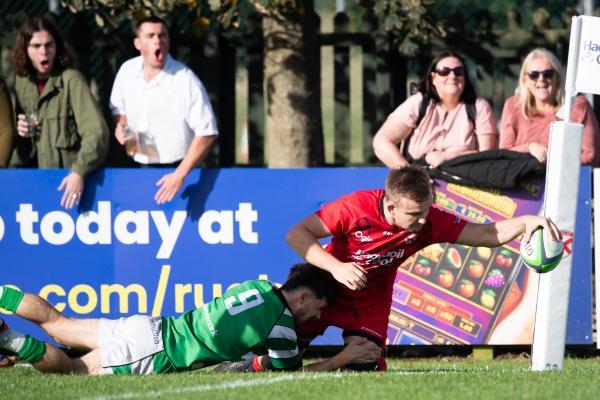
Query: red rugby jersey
x,y
362,235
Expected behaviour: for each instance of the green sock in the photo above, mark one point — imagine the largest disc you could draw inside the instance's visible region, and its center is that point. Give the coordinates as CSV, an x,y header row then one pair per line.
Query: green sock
x,y
10,298
32,351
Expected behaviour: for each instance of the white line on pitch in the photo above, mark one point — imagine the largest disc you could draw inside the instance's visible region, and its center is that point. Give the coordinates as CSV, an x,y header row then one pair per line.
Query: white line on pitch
x,y
239,383
203,388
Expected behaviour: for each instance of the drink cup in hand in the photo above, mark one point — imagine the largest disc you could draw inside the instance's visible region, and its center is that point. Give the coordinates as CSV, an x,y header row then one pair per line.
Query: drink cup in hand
x,y
32,124
131,141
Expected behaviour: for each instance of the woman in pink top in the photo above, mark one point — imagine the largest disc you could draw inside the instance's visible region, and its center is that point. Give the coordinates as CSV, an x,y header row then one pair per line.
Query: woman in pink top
x,y
526,117
446,129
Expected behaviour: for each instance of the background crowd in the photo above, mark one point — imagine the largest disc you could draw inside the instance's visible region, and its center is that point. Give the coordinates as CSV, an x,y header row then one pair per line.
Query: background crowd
x,y
163,117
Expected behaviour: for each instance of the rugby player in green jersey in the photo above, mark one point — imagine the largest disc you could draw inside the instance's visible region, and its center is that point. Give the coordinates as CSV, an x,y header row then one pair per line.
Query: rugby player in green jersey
x,y
250,319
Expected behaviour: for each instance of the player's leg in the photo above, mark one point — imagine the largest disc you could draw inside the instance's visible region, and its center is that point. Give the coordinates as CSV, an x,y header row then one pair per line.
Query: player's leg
x,y
369,322
88,364
43,356
75,333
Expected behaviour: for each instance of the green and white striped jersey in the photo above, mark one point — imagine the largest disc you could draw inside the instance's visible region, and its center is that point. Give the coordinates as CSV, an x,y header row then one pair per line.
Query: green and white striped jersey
x,y
249,319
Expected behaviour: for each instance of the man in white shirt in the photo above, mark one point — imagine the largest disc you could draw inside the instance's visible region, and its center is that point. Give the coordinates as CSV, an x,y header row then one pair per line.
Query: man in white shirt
x,y
167,107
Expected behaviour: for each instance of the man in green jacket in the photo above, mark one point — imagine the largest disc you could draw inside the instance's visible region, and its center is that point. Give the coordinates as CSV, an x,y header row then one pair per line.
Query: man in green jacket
x,y
59,123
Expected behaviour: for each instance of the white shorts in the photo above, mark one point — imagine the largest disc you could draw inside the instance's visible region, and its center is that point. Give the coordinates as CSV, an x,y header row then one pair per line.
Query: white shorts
x,y
130,341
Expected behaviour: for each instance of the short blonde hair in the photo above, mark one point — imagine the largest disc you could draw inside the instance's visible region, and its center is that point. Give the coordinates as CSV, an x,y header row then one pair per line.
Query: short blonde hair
x,y
526,99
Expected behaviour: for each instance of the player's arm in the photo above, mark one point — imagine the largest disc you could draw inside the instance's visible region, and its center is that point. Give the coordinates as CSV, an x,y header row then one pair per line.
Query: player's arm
x,y
497,233
303,238
358,351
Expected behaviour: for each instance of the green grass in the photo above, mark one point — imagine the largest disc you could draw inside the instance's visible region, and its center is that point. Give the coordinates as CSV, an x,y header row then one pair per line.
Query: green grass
x,y
406,379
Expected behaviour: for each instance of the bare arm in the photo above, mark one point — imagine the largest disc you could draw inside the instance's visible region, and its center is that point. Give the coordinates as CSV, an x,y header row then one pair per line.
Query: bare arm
x,y
386,141
303,238
487,142
359,351
498,233
171,183
435,158
120,124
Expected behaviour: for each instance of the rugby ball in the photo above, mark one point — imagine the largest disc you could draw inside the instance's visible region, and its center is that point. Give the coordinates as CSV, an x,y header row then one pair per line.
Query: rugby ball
x,y
541,254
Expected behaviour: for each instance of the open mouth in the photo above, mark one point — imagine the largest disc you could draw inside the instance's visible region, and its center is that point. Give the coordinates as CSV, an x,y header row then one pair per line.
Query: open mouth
x,y
157,53
44,63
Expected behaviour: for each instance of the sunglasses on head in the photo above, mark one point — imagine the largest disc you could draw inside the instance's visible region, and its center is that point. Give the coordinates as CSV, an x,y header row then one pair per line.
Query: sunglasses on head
x,y
547,74
445,71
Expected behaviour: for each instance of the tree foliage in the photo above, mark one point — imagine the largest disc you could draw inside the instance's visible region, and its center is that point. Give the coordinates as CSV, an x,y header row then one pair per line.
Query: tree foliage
x,y
111,13
410,22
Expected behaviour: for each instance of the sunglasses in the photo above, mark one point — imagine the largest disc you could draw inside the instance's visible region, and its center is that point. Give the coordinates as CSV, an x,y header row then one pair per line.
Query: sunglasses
x,y
445,71
547,74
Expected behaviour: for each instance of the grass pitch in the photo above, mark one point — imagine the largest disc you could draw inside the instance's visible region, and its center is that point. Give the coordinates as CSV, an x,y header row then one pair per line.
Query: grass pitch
x,y
445,379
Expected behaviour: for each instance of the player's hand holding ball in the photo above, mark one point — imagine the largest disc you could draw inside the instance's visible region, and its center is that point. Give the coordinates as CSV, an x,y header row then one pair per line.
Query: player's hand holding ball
x,y
542,253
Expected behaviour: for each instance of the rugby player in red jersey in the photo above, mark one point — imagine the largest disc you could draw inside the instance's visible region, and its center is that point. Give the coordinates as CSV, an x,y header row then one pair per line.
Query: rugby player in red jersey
x,y
373,232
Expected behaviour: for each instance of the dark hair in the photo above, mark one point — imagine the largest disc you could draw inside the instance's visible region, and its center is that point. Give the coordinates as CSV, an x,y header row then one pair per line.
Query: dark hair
x,y
65,55
411,181
152,19
469,95
307,275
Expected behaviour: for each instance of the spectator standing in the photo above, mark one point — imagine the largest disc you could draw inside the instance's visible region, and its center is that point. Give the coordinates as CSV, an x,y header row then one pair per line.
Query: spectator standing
x,y
7,125
162,103
59,123
443,120
526,116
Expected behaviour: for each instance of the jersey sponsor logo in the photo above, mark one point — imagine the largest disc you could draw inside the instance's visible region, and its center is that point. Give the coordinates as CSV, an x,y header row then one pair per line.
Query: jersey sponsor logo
x,y
410,238
362,237
371,331
381,259
155,330
387,233
209,324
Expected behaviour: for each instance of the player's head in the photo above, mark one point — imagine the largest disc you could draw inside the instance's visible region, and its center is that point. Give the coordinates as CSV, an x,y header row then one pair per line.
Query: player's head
x,y
308,290
408,197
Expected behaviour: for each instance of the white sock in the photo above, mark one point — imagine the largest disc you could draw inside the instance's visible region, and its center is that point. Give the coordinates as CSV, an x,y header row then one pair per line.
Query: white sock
x,y
11,340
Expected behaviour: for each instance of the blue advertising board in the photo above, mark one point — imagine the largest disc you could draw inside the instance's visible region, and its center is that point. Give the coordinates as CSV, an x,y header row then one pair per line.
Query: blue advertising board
x,y
120,253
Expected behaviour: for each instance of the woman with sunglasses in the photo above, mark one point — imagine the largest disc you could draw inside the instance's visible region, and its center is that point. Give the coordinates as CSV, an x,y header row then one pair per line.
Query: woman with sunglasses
x,y
435,123
526,117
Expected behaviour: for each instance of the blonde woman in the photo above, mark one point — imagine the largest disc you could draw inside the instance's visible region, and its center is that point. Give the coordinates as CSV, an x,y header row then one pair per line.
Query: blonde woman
x,y
526,117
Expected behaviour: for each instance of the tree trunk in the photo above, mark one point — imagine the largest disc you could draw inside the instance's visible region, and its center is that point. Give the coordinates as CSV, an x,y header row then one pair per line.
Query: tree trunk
x,y
294,134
